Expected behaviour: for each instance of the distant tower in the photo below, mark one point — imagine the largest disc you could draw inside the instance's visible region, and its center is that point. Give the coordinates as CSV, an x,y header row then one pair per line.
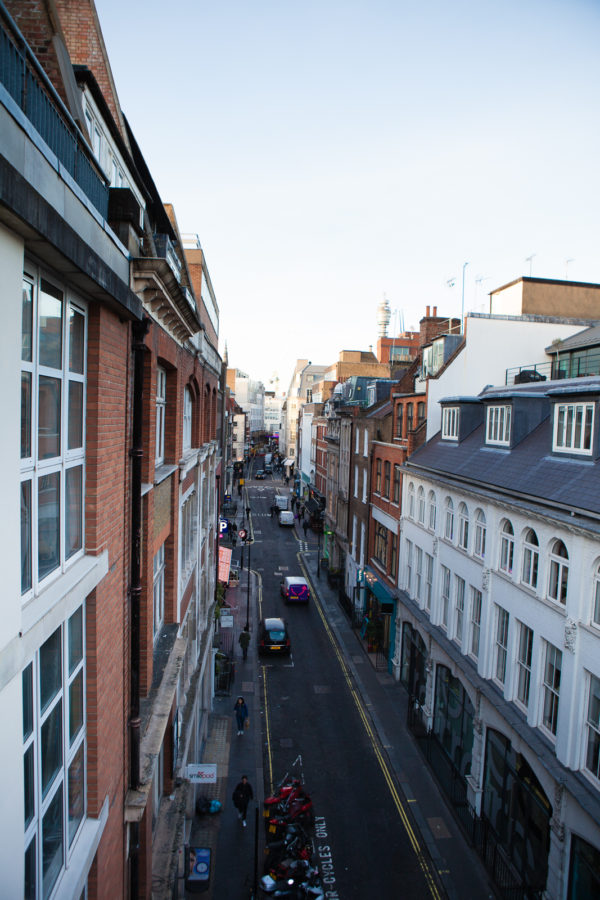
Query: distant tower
x,y
383,317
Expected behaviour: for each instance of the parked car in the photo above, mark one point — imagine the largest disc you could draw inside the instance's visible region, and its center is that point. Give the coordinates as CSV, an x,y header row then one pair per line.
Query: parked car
x,y
286,517
260,475
273,637
281,501
295,589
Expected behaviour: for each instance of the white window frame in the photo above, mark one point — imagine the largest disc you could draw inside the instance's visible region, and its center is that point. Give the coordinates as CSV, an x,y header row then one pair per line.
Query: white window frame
x,y
501,645
480,534
450,417
558,574
592,729
573,430
596,599
409,566
463,527
449,519
428,581
421,505
366,443
530,567
356,481
364,485
498,425
411,500
158,591
161,408
187,418
459,608
507,548
475,622
551,677
446,580
432,513
42,473
188,533
418,573
73,752
523,665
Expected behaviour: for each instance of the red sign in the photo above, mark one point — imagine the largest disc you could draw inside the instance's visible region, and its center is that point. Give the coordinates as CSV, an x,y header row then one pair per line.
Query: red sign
x,y
224,563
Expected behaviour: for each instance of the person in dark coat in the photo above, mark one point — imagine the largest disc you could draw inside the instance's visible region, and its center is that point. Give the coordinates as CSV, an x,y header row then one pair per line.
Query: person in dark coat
x,y
304,527
244,640
242,796
241,713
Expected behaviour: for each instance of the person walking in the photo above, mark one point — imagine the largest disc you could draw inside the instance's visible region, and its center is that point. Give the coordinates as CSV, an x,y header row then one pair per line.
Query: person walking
x,y
244,640
304,526
241,714
242,796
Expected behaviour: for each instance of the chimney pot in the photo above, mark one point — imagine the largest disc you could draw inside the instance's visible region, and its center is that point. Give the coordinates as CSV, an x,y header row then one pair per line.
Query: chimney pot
x,y
435,311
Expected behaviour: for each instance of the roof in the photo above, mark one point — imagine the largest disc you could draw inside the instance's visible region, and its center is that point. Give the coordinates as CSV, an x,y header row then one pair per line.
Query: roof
x,y
589,337
528,471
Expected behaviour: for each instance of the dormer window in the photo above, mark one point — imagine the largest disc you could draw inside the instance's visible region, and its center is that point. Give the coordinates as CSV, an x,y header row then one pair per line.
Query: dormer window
x,y
450,423
573,427
498,425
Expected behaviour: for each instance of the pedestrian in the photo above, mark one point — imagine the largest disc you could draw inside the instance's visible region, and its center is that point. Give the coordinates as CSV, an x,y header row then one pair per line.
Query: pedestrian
x,y
244,640
233,538
304,527
293,501
272,509
241,714
242,796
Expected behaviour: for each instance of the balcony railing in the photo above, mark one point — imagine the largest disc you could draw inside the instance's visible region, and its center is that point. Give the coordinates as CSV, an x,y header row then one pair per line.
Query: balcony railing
x,y
571,365
32,91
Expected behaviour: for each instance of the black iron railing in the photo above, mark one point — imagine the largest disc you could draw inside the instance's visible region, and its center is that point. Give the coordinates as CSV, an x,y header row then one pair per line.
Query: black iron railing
x,y
25,81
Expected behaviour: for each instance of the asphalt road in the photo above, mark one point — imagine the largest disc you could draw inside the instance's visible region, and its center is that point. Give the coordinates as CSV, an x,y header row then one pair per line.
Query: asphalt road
x,y
314,725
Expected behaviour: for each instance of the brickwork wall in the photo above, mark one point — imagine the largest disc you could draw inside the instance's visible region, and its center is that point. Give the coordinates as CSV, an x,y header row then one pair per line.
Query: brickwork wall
x,y
107,637
34,21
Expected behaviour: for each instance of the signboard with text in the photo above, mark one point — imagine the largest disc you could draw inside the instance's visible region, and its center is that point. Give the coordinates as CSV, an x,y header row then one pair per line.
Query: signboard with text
x,y
202,773
224,563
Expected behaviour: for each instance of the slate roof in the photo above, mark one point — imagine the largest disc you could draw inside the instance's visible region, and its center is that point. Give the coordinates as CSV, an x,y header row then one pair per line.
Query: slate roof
x,y
528,471
589,337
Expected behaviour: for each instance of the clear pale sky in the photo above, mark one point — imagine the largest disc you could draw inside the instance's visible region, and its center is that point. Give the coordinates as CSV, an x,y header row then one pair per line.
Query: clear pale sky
x,y
328,153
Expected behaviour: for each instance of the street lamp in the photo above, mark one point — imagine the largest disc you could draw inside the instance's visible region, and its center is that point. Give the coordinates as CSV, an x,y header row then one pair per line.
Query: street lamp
x,y
319,552
248,594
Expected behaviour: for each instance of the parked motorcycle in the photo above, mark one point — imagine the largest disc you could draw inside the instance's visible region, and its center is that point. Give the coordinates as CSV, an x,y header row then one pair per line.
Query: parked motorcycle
x,y
297,879
295,843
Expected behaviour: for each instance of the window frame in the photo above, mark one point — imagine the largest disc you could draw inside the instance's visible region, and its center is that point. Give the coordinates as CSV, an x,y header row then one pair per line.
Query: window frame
x,y
459,609
449,520
498,425
158,591
592,728
551,689
506,561
564,429
387,477
161,410
397,484
530,563
595,617
432,511
501,645
524,656
450,422
421,505
445,595
558,574
53,434
476,608
187,418
463,527
378,475
480,534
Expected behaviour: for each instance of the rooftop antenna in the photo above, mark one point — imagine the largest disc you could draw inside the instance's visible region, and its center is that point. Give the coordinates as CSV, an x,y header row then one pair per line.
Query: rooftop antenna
x,y
567,261
529,259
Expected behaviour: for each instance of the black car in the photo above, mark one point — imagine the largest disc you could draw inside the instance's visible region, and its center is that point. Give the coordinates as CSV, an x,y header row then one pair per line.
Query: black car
x,y
260,475
273,637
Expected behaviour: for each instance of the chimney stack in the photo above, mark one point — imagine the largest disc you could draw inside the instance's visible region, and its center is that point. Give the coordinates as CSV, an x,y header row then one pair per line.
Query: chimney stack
x,y
435,312
427,311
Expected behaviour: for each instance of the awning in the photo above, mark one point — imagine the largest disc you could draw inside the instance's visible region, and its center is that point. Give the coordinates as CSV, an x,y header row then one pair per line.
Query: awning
x,y
288,462
379,589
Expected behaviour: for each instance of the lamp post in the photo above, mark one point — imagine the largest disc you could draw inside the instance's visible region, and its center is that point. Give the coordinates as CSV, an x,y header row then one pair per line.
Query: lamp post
x,y
248,593
462,305
319,553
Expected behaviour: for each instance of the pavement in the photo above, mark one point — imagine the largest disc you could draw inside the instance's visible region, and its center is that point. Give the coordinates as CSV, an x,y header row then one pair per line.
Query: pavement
x,y
237,852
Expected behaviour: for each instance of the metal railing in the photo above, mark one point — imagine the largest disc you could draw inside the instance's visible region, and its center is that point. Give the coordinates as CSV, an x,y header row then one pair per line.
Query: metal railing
x,y
32,91
571,365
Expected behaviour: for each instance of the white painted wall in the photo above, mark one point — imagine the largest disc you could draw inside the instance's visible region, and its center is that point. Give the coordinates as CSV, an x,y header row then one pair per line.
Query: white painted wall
x,y
493,345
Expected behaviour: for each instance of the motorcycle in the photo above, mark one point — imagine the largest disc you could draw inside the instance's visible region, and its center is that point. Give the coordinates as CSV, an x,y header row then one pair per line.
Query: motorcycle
x,y
299,810
287,790
295,844
298,879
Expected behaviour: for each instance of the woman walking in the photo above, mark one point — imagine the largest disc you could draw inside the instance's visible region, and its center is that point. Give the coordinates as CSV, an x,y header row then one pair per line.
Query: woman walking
x,y
241,714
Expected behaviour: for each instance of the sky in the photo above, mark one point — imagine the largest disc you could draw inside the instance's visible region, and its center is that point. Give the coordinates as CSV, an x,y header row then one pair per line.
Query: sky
x,y
329,154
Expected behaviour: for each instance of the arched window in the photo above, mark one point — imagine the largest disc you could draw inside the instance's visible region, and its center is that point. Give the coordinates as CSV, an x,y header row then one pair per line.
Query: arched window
x,y
421,506
559,573
531,559
596,599
507,548
432,510
463,526
449,520
411,500
480,534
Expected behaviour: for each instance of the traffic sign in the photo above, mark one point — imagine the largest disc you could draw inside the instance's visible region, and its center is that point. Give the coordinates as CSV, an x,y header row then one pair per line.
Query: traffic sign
x,y
223,526
242,534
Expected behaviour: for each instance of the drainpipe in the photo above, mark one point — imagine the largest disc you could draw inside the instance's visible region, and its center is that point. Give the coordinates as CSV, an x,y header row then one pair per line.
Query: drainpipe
x,y
140,330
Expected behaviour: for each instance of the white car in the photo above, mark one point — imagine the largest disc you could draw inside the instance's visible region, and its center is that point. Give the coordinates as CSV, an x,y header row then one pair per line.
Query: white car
x,y
286,517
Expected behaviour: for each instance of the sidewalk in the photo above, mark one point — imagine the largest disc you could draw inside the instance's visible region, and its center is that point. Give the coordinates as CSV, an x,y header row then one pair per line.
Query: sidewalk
x,y
459,868
233,846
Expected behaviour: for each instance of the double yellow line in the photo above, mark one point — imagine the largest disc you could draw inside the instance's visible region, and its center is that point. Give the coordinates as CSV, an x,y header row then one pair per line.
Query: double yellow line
x,y
412,837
